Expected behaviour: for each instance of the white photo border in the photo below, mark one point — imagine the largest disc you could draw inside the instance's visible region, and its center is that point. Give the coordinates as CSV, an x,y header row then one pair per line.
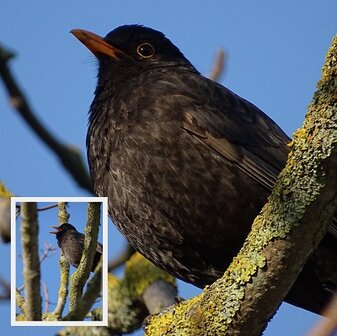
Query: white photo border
x,y
104,322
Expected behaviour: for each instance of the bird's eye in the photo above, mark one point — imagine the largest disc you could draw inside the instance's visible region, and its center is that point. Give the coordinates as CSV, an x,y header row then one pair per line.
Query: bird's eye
x,y
145,50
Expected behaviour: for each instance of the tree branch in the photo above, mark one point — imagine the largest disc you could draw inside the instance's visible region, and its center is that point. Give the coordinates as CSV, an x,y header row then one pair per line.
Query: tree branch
x,y
120,260
5,213
126,308
6,289
298,212
88,299
63,215
20,301
31,262
63,287
82,273
69,156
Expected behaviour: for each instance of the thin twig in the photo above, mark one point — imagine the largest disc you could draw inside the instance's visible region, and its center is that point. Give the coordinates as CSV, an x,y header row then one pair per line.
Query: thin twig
x,y
46,296
40,209
45,253
218,66
48,207
69,156
43,256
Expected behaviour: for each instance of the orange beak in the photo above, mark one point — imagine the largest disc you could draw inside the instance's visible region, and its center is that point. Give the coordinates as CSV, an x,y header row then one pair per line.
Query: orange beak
x,y
96,44
57,230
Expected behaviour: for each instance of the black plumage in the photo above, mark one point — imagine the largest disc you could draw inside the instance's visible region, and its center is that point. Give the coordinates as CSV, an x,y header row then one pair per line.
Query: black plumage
x,y
186,163
71,242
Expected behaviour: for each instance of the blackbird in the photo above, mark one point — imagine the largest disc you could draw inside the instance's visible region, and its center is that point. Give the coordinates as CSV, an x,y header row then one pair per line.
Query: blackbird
x,y
186,163
71,243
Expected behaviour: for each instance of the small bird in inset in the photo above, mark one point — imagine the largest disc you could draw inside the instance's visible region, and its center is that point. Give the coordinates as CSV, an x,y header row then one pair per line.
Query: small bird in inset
x,y
71,243
186,164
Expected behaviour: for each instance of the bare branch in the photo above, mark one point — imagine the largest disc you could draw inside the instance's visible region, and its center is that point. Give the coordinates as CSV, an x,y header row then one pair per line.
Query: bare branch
x,y
6,289
125,255
46,296
218,66
48,207
45,253
69,156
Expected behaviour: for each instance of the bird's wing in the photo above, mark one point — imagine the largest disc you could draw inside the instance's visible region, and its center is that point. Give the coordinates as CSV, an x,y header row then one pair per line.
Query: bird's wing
x,y
238,131
241,133
99,248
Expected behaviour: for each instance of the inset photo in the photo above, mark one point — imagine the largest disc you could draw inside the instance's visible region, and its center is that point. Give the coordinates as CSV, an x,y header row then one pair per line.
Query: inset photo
x,y
59,261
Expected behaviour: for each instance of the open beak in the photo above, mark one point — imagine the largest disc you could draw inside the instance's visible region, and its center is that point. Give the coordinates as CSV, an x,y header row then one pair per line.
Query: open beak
x,y
96,44
56,228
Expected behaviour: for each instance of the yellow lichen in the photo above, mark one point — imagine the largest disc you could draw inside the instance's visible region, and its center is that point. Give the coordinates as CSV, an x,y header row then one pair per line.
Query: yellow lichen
x,y
140,273
4,192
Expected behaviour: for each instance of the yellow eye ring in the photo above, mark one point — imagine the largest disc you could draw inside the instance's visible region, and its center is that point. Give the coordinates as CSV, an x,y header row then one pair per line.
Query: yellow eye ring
x,y
145,50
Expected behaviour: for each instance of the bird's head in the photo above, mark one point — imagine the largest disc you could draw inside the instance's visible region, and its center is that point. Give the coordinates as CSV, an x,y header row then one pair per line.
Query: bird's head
x,y
131,49
60,230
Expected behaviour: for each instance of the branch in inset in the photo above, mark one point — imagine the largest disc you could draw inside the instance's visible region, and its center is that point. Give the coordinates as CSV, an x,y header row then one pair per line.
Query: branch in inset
x,y
31,262
88,298
82,273
63,214
63,287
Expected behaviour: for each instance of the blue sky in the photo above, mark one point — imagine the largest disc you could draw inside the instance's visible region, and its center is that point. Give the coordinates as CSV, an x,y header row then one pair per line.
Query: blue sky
x,y
274,50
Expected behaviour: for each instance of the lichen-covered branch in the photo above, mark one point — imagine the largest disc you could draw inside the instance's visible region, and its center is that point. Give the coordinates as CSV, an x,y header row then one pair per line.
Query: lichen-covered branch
x,y
88,298
31,262
63,217
69,156
297,214
20,301
142,278
5,213
82,273
63,287
63,214
126,308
